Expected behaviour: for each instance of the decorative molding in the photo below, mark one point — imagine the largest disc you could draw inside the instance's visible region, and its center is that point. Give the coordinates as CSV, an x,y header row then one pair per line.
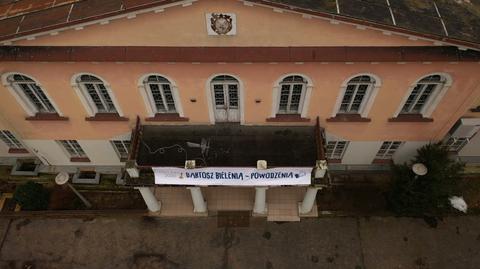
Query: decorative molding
x,y
221,24
46,117
288,118
106,117
347,117
167,117
79,159
410,118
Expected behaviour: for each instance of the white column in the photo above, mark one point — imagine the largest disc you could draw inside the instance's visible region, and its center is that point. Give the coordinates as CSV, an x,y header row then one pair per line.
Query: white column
x,y
152,203
260,206
308,201
199,204
132,169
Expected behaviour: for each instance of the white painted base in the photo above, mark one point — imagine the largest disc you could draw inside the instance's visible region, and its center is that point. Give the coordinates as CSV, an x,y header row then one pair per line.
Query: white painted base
x,y
312,214
261,214
199,203
152,203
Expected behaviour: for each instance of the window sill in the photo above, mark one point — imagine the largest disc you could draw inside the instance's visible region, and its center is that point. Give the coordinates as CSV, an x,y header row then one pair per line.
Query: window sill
x,y
106,117
166,117
382,161
80,160
46,117
410,118
288,118
345,117
17,150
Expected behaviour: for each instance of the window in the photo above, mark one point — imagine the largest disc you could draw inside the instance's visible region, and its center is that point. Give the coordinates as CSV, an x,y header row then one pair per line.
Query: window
x,y
455,144
422,94
31,93
388,149
357,91
336,149
122,148
160,94
10,140
225,92
292,95
97,94
73,148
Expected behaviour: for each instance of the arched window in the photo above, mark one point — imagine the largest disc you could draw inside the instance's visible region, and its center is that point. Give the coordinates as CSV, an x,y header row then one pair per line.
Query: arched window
x,y
31,94
160,94
226,100
96,94
292,95
422,94
357,91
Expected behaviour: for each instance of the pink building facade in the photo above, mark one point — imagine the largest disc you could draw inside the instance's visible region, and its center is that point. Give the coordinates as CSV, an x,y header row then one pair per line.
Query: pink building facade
x,y
72,92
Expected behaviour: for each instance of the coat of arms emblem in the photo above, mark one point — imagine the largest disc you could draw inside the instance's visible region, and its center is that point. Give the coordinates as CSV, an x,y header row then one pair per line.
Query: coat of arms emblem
x,y
221,23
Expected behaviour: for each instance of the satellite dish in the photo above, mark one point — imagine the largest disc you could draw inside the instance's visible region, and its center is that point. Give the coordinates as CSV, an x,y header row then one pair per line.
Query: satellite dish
x,y
419,169
61,178
204,145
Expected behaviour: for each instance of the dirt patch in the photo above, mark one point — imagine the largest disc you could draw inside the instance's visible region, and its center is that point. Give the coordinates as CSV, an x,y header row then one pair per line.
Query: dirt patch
x,y
22,223
267,235
364,199
78,233
471,192
63,198
148,261
115,200
233,219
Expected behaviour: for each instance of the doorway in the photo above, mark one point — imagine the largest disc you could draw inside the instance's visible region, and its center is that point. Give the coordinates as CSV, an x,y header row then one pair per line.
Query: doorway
x,y
226,99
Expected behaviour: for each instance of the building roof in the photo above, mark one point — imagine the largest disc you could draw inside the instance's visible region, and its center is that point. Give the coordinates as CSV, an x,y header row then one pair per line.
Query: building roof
x,y
452,21
227,145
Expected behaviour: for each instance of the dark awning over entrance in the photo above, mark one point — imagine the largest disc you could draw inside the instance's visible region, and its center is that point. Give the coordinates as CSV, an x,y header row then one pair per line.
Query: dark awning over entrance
x,y
224,145
227,145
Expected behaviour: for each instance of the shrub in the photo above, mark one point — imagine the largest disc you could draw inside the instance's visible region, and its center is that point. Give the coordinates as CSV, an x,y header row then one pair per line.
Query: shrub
x,y
32,196
425,195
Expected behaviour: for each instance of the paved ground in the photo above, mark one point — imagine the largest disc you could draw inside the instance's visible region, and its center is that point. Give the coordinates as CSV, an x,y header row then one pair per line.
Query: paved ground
x,y
136,243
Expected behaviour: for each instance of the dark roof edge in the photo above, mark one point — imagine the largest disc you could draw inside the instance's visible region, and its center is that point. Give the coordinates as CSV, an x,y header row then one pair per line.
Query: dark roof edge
x,y
235,54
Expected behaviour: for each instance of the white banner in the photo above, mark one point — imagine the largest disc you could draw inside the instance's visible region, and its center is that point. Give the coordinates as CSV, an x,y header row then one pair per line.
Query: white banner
x,y
232,176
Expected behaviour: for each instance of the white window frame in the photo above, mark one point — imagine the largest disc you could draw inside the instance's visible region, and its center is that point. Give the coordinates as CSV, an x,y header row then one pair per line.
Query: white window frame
x,y
333,155
291,85
73,148
305,98
211,105
226,97
87,100
391,147
25,101
434,98
125,146
10,140
452,145
367,100
148,99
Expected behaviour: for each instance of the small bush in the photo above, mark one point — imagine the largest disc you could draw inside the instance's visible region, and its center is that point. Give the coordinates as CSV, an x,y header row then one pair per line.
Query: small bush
x,y
425,195
32,196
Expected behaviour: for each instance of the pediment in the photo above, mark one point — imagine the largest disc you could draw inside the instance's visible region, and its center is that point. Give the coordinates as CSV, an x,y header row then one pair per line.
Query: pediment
x,y
187,25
